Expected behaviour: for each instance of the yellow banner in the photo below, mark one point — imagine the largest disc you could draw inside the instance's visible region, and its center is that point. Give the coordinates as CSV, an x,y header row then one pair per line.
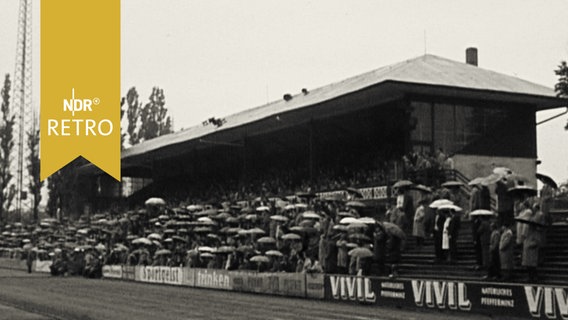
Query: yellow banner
x,y
80,84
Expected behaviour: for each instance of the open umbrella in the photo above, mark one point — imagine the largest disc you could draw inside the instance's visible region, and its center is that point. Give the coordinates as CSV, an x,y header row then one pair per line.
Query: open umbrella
x,y
360,253
402,184
366,220
340,227
266,240
530,221
144,241
289,207
154,236
262,208
547,180
226,249
452,184
202,230
348,220
356,204
449,207
291,236
194,207
155,202
522,191
306,195
260,259
393,230
300,206
207,255
310,215
273,253
440,202
204,219
205,249
482,213
162,252
421,187
476,181
279,218
256,231
502,171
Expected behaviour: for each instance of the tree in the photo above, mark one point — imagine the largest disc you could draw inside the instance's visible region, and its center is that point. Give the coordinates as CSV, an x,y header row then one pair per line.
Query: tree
x,y
35,183
7,191
67,190
133,116
561,86
154,117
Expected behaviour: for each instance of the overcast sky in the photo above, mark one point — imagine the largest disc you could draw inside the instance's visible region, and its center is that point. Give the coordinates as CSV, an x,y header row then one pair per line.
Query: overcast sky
x,y
214,58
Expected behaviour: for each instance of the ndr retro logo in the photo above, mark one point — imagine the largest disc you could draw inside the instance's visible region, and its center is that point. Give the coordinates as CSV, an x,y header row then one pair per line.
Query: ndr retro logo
x,y
79,127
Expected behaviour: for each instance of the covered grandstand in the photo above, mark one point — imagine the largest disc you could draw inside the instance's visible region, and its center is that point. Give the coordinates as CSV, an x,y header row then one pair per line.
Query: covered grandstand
x,y
357,130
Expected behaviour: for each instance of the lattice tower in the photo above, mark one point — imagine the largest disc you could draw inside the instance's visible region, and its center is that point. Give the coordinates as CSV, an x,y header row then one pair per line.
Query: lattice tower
x,y
22,103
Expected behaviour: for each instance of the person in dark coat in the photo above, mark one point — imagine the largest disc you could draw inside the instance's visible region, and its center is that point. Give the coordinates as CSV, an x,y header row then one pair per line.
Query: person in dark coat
x,y
494,262
506,255
439,221
531,246
505,204
484,234
454,230
379,250
475,225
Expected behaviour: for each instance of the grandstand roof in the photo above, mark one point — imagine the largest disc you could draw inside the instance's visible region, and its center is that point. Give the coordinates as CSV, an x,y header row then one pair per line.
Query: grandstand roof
x,y
428,74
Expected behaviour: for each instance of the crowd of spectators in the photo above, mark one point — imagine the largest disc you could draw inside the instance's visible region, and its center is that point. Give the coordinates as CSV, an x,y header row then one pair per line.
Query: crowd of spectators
x,y
298,233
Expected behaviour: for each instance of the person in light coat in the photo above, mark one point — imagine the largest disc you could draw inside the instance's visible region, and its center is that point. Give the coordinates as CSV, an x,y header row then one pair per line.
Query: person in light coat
x,y
418,227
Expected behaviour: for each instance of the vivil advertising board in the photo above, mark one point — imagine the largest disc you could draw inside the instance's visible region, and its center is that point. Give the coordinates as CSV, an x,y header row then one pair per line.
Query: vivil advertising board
x,y
526,301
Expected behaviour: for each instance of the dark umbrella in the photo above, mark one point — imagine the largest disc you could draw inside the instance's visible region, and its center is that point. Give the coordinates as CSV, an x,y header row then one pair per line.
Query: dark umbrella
x,y
402,184
306,195
530,222
393,230
452,184
547,180
522,191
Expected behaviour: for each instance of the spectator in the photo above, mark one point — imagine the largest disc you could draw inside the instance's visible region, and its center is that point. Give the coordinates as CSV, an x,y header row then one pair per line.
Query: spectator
x,y
494,261
506,244
532,242
418,228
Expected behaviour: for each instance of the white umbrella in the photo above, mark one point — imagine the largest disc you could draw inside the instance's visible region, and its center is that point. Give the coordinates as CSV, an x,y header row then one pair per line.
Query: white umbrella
x,y
482,213
440,202
348,220
155,202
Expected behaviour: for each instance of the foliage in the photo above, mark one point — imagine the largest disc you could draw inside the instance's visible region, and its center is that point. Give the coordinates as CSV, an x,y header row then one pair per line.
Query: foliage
x,y
7,191
133,116
35,183
561,86
154,117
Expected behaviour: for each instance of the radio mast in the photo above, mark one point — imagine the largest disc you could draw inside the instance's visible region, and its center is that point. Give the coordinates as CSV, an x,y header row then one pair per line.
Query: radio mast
x,y
22,100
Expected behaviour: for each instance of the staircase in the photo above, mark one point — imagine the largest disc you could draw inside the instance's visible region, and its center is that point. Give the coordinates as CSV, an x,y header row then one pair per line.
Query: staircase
x,y
419,262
